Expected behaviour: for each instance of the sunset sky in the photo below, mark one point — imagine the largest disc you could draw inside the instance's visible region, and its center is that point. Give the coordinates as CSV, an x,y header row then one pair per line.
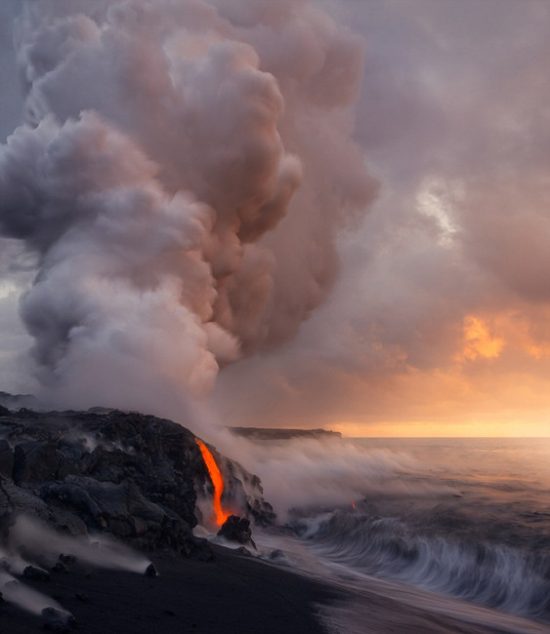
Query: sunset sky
x,y
440,321
437,321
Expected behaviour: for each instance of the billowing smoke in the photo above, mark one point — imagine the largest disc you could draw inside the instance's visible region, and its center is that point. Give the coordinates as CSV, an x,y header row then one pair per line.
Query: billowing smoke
x,y
180,180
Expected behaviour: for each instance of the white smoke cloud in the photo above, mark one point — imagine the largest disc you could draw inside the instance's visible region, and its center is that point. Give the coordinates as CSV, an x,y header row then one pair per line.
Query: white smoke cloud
x,y
180,179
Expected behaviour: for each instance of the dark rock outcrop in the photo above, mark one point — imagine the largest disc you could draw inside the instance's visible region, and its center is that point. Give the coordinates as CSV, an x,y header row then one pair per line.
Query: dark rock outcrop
x,y
237,529
36,574
245,492
151,571
131,475
57,621
6,458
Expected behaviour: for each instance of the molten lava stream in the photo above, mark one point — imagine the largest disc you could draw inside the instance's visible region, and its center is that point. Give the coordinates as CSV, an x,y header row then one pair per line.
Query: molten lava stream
x,y
217,482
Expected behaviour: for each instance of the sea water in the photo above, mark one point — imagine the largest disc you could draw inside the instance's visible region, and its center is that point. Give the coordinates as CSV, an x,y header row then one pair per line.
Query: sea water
x,y
465,518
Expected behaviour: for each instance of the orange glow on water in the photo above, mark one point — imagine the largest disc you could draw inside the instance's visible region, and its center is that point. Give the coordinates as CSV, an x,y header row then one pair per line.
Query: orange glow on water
x,y
217,482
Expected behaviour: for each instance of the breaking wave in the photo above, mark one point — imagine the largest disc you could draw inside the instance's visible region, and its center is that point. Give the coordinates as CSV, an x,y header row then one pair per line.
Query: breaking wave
x,y
495,575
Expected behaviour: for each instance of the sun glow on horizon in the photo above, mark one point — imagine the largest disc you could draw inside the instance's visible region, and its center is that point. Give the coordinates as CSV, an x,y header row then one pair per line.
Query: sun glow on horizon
x,y
447,429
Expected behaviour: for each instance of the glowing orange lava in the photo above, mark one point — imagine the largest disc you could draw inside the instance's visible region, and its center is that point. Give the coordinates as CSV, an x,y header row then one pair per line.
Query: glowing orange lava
x,y
217,482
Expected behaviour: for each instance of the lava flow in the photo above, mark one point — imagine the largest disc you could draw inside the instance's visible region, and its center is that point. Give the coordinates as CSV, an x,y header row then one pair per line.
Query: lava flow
x,y
217,482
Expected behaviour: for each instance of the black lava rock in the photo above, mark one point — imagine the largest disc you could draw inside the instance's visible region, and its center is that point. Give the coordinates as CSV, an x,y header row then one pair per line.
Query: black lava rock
x,y
67,560
6,459
55,620
237,529
36,574
127,474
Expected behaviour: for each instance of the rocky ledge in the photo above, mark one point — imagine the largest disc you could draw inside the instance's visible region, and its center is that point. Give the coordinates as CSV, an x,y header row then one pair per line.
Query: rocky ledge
x,y
136,477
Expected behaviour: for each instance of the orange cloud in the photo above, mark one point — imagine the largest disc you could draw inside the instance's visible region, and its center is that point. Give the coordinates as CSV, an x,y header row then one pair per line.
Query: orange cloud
x,y
479,341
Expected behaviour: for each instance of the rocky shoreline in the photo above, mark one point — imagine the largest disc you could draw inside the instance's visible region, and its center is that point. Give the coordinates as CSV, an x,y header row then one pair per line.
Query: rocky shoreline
x,y
75,480
132,476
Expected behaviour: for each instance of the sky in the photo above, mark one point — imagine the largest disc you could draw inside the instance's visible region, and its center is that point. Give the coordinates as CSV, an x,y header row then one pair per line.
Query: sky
x,y
407,278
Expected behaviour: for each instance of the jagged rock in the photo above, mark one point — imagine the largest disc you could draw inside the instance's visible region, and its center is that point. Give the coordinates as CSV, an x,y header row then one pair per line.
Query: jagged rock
x,y
127,474
249,495
55,620
36,574
36,461
6,458
151,571
237,529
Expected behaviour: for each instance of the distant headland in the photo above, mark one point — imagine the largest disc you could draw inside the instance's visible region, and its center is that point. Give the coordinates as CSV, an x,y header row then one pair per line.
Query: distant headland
x,y
282,433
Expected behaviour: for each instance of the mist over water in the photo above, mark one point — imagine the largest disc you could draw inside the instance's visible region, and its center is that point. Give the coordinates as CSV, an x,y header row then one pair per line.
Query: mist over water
x,y
465,518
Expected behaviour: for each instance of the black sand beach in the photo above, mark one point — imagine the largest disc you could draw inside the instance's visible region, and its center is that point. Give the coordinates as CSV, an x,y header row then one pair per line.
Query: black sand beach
x,y
233,594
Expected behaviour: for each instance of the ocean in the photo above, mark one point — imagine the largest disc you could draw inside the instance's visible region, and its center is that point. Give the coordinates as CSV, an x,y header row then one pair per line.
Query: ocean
x,y
461,519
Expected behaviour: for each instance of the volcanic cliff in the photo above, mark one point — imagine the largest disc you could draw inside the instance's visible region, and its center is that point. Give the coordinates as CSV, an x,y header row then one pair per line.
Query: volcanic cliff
x,y
134,476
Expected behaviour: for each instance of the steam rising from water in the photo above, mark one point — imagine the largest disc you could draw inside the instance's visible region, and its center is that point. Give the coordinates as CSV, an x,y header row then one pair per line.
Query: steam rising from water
x,y
182,205
315,473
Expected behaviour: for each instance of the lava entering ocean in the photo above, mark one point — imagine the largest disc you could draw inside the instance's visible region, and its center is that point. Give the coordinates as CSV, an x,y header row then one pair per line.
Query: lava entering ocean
x,y
217,482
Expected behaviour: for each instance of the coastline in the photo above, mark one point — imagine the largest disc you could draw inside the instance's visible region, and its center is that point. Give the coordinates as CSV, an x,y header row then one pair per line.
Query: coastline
x,y
233,593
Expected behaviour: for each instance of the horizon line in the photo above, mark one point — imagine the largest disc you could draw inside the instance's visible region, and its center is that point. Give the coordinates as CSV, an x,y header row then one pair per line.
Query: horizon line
x,y
450,437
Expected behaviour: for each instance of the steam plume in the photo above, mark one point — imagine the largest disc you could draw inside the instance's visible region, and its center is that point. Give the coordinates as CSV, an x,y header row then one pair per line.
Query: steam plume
x,y
180,179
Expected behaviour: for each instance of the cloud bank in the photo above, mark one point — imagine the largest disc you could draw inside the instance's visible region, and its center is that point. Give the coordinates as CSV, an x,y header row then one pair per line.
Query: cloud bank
x,y
200,204
453,120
